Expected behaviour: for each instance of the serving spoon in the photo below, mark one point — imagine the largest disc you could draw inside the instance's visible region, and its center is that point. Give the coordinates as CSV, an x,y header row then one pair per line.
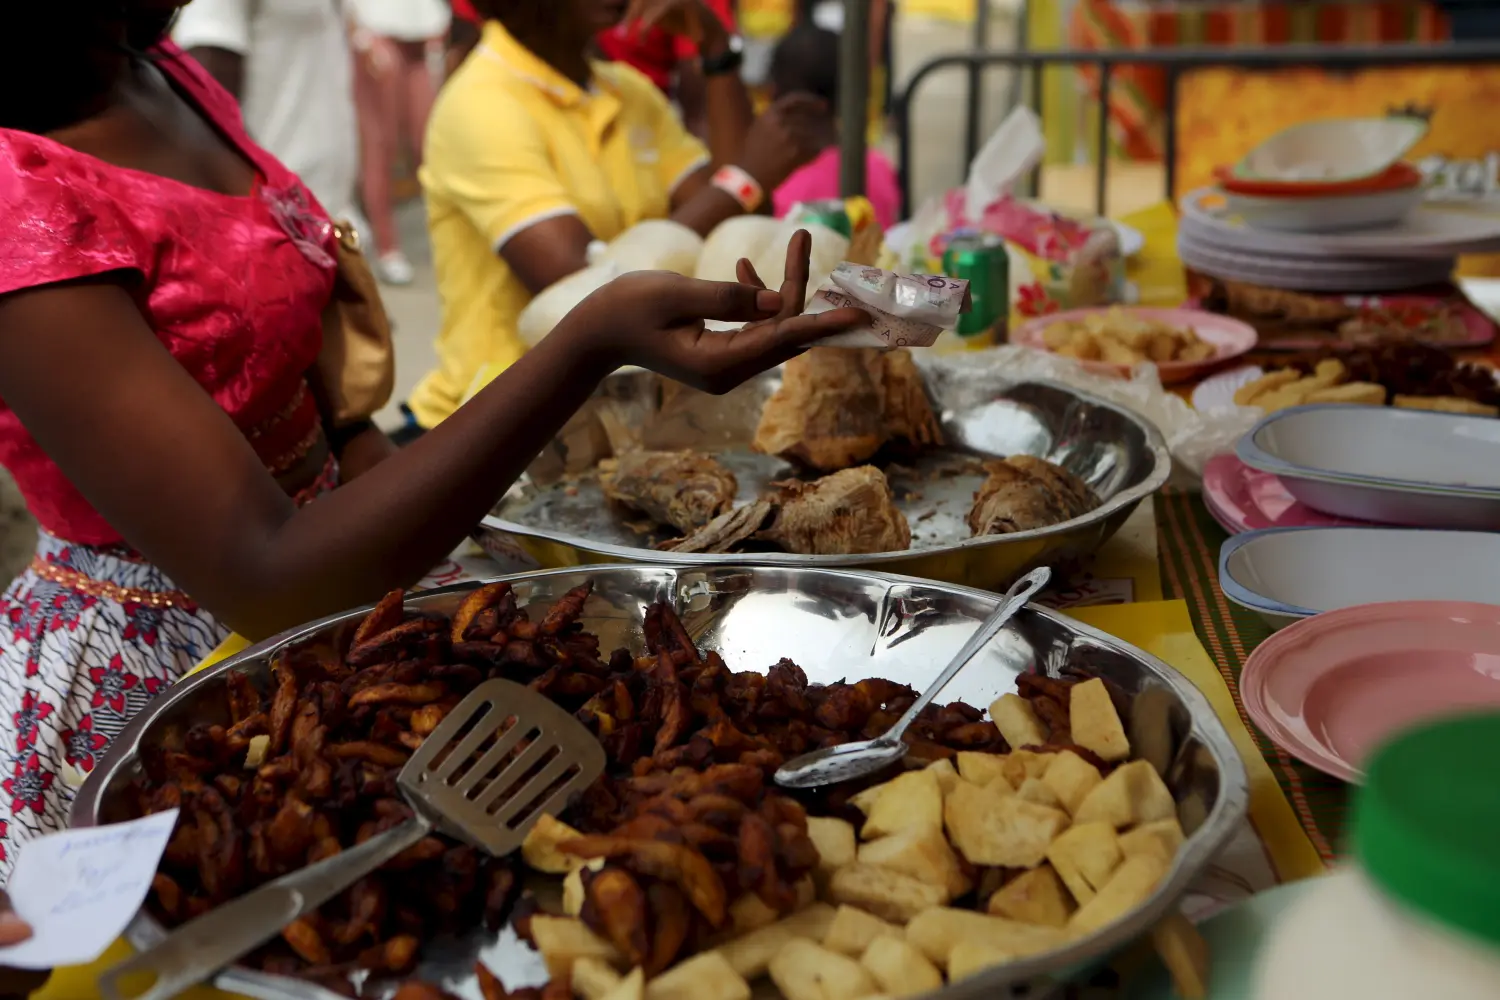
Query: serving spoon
x,y
848,761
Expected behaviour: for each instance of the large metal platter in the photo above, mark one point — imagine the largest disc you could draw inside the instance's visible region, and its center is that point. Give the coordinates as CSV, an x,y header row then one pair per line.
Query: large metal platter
x,y
836,624
558,516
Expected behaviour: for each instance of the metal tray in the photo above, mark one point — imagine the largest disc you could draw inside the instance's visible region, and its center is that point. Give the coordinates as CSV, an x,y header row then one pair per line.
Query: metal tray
x,y
558,516
837,624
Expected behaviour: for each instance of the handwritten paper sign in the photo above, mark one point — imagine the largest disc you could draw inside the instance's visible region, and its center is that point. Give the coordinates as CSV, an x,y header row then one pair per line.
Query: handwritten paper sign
x,y
79,888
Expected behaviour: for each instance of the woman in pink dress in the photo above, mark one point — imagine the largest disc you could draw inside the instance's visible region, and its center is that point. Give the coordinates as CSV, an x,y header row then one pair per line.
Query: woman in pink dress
x,y
162,281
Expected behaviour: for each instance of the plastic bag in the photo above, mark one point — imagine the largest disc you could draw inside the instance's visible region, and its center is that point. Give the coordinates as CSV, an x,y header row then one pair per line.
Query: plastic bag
x,y
829,250
554,302
653,245
1192,437
741,236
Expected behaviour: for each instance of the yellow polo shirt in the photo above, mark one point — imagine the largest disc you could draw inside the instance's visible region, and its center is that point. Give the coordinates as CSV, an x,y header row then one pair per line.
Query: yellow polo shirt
x,y
512,142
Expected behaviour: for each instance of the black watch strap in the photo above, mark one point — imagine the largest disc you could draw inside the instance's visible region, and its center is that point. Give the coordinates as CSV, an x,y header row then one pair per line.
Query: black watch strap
x,y
728,61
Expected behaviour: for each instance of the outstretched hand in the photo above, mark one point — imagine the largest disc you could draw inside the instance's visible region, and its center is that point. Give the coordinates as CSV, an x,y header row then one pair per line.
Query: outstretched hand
x,y
655,319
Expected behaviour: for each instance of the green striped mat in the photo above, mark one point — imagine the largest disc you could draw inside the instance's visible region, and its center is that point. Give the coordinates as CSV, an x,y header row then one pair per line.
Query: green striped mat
x,y
1188,540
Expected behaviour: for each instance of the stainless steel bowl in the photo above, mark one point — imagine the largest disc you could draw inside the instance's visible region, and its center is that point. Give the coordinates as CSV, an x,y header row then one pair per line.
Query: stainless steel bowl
x,y
559,517
836,624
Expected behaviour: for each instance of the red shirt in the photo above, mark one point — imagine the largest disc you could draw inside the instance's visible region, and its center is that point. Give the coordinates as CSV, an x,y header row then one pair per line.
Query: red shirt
x,y
654,52
233,287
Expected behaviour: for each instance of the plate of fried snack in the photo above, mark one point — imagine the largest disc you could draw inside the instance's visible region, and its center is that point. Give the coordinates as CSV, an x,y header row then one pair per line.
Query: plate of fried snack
x,y
1054,810
1406,375
1182,343
842,458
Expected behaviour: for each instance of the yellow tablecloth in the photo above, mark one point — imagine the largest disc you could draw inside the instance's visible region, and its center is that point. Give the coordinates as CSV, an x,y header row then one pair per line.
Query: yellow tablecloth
x,y
1162,628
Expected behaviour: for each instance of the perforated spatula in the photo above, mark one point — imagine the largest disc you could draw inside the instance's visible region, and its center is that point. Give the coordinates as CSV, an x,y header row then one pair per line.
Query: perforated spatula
x,y
491,804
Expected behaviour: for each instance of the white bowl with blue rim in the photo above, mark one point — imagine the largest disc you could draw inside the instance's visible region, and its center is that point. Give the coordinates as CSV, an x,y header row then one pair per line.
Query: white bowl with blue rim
x,y
1287,574
1384,464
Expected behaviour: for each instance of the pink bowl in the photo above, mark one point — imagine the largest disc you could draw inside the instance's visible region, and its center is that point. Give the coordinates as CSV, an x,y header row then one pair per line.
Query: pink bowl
x,y
1230,338
1331,688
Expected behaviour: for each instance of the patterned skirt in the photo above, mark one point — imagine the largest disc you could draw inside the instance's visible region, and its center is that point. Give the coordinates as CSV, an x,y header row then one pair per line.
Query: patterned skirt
x,y
88,636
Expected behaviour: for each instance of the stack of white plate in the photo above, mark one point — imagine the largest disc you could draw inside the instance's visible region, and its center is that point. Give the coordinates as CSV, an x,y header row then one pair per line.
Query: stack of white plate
x,y
1419,250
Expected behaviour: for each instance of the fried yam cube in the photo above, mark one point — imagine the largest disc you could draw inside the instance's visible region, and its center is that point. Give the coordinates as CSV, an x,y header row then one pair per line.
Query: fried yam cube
x,y
1134,793
1084,857
911,799
936,932
1163,838
564,940
1095,724
806,971
1356,393
921,852
1446,404
835,841
1033,897
707,976
853,929
1132,884
899,968
539,850
888,894
1017,721
751,954
989,828
1071,778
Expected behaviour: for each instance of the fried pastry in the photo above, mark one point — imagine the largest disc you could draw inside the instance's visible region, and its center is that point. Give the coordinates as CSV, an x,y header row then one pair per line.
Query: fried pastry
x,y
1024,493
849,512
683,489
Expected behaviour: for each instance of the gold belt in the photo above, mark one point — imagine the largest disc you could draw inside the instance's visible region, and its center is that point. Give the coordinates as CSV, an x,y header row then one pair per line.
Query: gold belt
x,y
85,584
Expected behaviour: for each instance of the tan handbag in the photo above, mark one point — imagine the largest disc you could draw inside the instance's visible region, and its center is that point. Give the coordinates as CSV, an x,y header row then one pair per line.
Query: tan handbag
x,y
356,370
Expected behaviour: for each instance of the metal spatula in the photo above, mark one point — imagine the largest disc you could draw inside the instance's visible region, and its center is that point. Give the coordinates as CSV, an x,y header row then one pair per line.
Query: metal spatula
x,y
489,808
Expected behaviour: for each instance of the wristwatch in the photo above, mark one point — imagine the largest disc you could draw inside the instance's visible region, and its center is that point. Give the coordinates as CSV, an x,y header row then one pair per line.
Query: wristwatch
x,y
728,61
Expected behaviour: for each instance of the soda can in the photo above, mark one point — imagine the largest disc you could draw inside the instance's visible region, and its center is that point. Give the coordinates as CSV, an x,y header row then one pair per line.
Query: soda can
x,y
981,260
830,213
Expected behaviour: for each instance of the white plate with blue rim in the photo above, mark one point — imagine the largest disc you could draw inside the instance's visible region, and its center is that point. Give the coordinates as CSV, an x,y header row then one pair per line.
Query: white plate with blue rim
x,y
1384,464
1287,574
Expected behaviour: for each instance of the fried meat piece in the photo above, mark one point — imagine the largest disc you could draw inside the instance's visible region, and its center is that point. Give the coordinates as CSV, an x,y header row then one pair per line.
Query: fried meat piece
x,y
726,531
682,489
1024,493
852,511
908,411
837,407
830,410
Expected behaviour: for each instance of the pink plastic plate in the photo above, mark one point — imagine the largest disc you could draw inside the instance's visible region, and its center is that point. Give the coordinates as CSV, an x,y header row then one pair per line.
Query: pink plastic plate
x,y
1331,688
1230,338
1243,499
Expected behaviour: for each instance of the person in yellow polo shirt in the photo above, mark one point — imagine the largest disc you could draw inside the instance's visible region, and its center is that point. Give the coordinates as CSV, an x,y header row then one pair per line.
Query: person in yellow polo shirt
x,y
534,150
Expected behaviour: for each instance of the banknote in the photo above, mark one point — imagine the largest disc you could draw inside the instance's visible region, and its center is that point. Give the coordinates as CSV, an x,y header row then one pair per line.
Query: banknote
x,y
906,310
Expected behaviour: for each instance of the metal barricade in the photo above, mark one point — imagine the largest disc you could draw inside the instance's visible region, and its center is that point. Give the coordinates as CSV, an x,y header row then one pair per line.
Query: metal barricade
x,y
1174,62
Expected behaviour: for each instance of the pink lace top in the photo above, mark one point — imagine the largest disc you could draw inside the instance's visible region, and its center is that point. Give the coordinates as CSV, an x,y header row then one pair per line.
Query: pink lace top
x,y
233,286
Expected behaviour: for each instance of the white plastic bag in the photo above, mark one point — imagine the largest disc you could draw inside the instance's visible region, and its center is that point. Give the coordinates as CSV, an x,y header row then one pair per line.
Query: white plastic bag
x,y
829,250
653,245
741,236
1192,437
551,304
